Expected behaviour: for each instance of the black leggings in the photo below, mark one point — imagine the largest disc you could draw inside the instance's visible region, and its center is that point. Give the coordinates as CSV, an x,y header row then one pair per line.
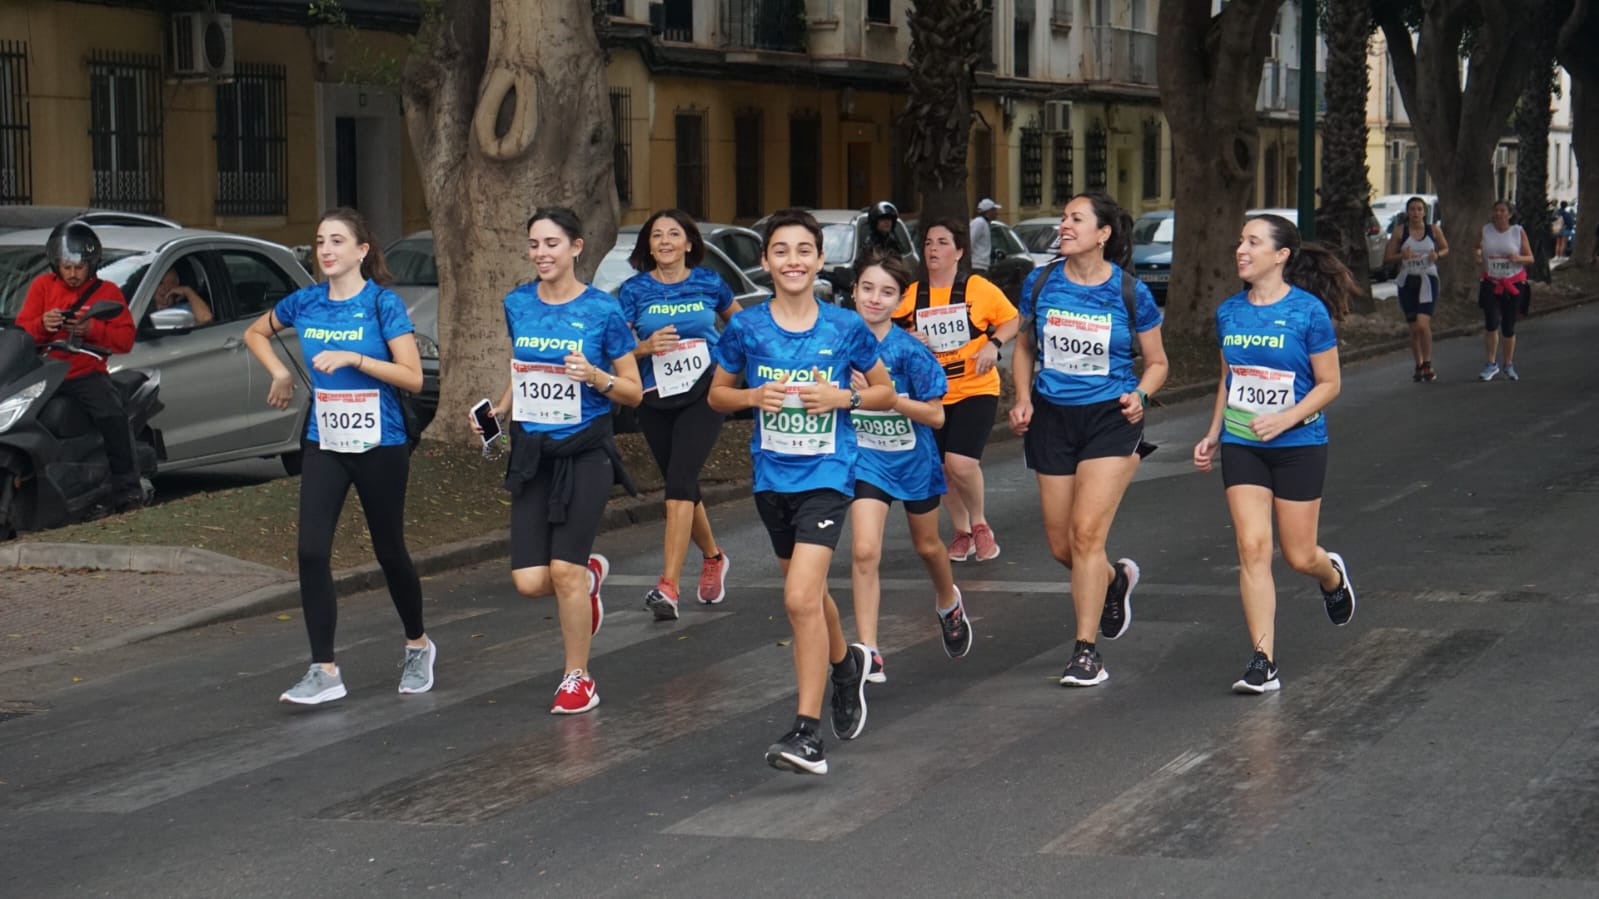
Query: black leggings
x,y
379,475
98,396
1500,310
681,440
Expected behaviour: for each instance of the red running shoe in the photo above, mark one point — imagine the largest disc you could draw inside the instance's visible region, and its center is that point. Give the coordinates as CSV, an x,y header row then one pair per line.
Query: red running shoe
x,y
577,694
713,578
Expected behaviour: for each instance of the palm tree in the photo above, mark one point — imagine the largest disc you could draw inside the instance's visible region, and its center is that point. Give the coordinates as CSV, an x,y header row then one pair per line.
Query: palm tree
x,y
1345,189
938,117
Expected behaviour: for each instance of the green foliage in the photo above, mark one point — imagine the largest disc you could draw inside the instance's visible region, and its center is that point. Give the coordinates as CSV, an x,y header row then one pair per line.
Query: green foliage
x,y
367,64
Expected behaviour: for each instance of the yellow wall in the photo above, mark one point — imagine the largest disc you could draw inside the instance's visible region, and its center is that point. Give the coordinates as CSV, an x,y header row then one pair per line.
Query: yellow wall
x,y
60,37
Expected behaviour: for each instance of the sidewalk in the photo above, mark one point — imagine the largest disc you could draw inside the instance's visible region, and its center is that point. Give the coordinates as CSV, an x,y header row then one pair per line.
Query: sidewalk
x,y
57,600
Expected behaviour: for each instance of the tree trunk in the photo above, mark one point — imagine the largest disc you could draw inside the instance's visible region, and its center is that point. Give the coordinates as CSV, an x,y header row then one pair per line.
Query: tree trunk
x,y
1532,153
507,109
938,116
1210,69
1346,188
1458,125
1585,141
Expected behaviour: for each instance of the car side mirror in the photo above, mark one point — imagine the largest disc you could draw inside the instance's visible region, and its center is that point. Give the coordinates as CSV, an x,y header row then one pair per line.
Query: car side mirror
x,y
105,310
174,319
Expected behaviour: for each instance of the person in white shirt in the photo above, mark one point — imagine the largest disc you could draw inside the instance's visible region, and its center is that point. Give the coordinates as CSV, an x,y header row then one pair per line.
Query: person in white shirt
x,y
982,248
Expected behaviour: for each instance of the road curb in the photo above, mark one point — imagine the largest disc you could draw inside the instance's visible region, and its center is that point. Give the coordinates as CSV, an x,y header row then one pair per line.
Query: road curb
x,y
97,557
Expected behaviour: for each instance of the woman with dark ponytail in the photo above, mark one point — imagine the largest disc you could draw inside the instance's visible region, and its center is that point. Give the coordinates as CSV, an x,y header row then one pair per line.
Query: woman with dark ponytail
x,y
1082,415
1279,371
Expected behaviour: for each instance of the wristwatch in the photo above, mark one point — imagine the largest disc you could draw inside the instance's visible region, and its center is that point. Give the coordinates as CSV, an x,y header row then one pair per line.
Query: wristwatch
x,y
609,384
854,399
996,342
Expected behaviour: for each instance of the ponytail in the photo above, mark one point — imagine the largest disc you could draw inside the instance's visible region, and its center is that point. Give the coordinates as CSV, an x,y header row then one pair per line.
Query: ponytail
x,y
1312,267
373,266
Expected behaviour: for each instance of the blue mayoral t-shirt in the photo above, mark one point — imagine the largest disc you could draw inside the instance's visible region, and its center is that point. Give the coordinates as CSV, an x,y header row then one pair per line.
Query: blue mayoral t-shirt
x,y
1268,350
543,398
692,305
897,455
1083,345
364,323
794,451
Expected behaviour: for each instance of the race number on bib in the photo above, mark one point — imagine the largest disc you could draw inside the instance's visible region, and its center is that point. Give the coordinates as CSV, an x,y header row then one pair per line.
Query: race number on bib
x,y
1501,266
946,327
677,369
348,421
794,432
1260,390
543,394
1415,265
1077,344
887,432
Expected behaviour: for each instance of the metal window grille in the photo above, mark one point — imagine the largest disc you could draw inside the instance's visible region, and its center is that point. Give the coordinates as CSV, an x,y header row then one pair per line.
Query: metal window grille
x,y
1032,167
690,133
16,163
1061,169
747,164
616,7
252,142
1151,160
805,161
1098,175
125,131
678,22
622,145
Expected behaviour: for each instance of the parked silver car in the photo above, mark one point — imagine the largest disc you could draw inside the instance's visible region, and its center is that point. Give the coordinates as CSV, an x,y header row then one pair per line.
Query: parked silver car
x,y
416,280
213,390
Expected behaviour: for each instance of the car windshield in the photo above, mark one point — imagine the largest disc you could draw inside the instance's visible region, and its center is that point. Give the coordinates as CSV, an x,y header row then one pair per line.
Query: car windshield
x,y
1006,239
411,262
838,244
1154,229
1039,238
613,270
20,265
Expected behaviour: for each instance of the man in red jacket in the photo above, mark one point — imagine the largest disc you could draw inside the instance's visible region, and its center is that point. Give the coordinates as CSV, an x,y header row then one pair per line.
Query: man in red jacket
x,y
57,308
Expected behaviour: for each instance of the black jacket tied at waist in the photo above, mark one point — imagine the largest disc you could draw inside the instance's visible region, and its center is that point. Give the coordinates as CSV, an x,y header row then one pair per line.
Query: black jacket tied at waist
x,y
529,450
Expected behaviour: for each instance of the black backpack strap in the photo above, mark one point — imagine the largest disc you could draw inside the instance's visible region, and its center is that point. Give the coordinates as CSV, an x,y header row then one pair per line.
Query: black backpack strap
x,y
1130,300
1038,286
83,297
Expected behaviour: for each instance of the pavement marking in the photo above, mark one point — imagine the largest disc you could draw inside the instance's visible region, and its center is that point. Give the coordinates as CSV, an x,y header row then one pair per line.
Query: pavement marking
x,y
509,776
267,736
1222,798
969,587
1549,830
906,760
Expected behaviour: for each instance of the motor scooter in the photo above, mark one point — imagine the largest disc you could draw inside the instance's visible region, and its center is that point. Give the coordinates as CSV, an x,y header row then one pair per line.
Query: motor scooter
x,y
53,465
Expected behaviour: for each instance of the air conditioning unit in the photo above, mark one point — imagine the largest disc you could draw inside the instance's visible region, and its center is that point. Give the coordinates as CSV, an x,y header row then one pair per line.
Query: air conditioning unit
x,y
1396,150
202,45
1057,116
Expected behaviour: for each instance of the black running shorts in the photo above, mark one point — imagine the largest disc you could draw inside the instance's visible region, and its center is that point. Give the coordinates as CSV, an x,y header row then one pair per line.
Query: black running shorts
x,y
868,490
1293,473
813,516
967,425
1059,437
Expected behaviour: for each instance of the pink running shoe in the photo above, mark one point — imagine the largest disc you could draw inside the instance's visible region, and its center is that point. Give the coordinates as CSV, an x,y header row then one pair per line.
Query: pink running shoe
x,y
713,578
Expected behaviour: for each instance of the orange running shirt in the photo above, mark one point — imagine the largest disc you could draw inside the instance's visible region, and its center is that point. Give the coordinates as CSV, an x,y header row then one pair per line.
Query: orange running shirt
x,y
988,307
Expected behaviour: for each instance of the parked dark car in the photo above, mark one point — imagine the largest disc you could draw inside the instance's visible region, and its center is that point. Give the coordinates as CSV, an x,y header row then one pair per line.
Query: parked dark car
x,y
1152,239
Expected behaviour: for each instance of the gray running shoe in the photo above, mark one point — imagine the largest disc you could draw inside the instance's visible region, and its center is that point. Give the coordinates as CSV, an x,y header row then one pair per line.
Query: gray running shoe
x,y
315,688
416,674
1510,373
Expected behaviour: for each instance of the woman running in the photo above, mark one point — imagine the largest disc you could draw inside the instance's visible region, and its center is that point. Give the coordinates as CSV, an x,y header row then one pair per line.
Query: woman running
x,y
673,306
964,319
359,340
572,356
1082,416
898,460
796,354
1417,246
1504,293
1279,371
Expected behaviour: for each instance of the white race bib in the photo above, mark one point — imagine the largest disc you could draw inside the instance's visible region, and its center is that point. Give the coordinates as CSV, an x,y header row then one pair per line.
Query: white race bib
x,y
543,394
1077,344
1260,390
794,432
1501,266
679,368
348,421
1415,265
947,327
887,432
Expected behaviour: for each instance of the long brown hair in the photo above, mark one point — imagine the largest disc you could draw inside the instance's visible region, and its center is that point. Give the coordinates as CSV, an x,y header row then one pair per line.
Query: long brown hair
x,y
1312,267
373,267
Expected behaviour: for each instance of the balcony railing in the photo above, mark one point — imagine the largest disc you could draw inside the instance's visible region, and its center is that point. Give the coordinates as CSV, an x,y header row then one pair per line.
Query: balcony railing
x,y
1279,88
1121,54
764,25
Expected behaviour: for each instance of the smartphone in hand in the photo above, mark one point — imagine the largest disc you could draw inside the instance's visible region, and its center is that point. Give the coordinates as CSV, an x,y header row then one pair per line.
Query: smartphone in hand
x,y
483,414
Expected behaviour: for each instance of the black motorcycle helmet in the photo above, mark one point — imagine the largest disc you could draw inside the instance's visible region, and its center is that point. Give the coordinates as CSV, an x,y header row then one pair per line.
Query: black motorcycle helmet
x,y
882,209
73,241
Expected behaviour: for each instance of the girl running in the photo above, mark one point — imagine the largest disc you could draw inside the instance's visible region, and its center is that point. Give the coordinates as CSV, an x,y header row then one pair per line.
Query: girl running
x,y
572,356
1417,247
964,319
1279,371
673,306
1082,416
1504,293
359,340
899,461
796,355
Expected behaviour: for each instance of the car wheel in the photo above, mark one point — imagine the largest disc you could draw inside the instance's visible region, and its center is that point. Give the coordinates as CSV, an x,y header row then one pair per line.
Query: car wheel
x,y
292,462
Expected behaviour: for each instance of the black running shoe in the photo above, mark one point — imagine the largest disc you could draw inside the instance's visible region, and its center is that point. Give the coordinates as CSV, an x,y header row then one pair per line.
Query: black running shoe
x,y
800,751
849,693
1259,677
1420,375
1118,613
1340,602
1086,668
956,629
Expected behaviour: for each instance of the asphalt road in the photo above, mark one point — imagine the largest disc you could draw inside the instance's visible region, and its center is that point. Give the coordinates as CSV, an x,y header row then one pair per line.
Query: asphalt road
x,y
1446,743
